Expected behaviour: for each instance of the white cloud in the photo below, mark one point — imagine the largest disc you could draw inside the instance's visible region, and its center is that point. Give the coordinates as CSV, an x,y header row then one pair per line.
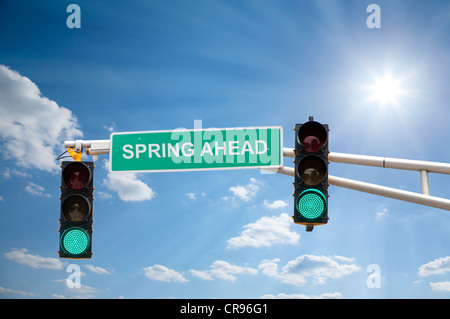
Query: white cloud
x,y
16,292
297,272
223,270
191,196
202,274
269,267
84,292
8,172
81,292
317,268
32,127
98,270
436,267
128,186
103,195
36,190
441,286
194,196
110,128
245,192
381,214
275,204
22,257
329,295
162,273
266,231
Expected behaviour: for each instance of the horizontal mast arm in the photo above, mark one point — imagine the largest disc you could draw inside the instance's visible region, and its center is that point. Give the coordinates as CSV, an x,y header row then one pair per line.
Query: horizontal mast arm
x,y
407,196
387,162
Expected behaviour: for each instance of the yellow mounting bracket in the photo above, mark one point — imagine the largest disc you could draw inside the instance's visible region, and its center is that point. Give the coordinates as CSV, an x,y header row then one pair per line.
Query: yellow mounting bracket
x,y
75,155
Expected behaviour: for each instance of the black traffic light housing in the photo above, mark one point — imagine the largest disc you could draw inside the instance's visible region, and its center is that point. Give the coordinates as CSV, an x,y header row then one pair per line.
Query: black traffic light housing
x,y
311,174
76,213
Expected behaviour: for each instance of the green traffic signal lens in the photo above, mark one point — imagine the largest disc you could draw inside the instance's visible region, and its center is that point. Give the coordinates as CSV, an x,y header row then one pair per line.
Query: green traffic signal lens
x,y
311,204
75,241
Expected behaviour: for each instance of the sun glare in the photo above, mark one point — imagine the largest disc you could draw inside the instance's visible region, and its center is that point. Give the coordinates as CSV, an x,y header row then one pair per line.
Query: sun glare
x,y
385,90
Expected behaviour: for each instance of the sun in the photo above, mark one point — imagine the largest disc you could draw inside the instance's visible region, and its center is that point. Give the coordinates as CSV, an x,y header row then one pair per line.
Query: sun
x,y
385,90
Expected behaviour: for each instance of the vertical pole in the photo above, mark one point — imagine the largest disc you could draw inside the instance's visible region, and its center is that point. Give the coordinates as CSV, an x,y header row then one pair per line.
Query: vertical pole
x,y
424,182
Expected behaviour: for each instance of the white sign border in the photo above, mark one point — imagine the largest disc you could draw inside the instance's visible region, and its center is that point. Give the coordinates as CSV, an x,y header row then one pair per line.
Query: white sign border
x,y
195,169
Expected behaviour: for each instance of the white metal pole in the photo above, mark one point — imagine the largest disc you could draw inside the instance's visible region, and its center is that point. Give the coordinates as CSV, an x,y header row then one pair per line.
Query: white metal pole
x,y
288,152
424,182
387,162
412,197
397,163
394,193
93,147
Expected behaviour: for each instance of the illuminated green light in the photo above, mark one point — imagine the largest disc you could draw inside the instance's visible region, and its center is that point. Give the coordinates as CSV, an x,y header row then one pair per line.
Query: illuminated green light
x,y
311,204
75,241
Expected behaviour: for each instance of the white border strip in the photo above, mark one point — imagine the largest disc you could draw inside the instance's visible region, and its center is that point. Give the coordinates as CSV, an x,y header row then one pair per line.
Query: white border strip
x,y
196,130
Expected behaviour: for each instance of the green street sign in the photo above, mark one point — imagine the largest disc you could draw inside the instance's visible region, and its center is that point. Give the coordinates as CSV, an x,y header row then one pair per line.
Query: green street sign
x,y
198,149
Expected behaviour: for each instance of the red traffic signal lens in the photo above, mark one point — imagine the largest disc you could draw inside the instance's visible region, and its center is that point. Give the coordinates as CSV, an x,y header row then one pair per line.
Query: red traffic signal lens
x,y
312,136
76,175
75,208
312,170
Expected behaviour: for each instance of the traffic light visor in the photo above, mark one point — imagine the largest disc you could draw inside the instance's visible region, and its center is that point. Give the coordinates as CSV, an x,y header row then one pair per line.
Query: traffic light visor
x,y
76,175
311,204
75,241
312,135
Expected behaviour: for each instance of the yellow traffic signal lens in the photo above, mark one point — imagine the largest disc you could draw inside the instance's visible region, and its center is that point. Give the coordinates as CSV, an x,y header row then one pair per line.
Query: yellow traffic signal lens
x,y
75,208
312,170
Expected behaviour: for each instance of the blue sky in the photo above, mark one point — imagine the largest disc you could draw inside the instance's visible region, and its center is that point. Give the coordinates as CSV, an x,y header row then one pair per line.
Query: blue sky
x,y
161,65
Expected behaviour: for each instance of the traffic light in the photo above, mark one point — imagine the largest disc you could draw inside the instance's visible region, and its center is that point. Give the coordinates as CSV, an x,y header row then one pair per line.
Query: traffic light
x,y
311,174
77,196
